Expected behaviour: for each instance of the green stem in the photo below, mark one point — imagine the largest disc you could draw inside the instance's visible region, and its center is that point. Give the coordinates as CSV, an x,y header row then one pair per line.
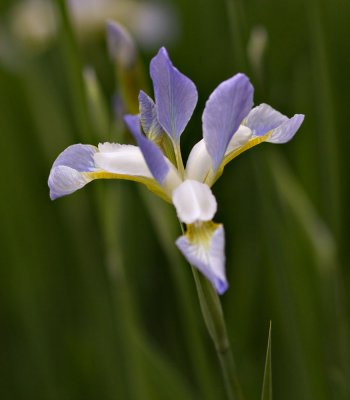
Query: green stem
x,y
214,319
178,157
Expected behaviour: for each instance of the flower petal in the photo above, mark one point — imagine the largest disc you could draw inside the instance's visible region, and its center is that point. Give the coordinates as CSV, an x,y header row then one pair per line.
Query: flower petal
x,y
263,118
199,162
77,156
122,159
148,117
240,138
287,130
175,95
65,180
194,202
151,152
204,248
225,109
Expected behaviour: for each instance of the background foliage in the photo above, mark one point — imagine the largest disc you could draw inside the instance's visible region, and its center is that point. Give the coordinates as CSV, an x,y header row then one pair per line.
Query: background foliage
x,y
76,325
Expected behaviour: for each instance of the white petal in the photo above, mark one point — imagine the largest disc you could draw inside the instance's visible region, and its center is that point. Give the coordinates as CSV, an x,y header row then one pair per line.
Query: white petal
x,y
207,253
121,159
64,180
194,202
240,138
199,162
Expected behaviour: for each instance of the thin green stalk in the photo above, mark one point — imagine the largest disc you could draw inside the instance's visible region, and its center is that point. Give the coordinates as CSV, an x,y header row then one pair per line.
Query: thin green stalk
x,y
213,316
234,13
178,157
214,319
165,230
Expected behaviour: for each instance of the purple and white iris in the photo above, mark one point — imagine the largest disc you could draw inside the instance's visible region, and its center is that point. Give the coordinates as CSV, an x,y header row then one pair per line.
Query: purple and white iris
x,y
230,126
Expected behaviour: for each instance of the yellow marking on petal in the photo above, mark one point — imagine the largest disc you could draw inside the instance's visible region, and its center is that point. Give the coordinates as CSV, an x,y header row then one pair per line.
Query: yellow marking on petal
x,y
151,184
235,153
201,232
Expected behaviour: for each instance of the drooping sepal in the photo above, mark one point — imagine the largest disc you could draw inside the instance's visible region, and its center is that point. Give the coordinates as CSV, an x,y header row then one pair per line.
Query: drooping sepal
x,y
203,246
68,172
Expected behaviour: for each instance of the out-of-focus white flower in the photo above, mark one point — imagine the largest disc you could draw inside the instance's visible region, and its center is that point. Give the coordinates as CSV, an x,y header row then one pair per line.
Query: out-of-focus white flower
x,y
35,22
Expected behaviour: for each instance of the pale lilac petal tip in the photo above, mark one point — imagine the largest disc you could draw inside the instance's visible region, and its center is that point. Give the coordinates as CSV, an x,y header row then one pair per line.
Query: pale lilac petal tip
x,y
209,261
77,156
285,132
225,109
175,95
148,116
263,118
152,154
64,180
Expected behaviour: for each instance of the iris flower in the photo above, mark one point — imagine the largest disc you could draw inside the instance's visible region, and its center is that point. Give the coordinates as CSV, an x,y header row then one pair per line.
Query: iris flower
x,y
230,126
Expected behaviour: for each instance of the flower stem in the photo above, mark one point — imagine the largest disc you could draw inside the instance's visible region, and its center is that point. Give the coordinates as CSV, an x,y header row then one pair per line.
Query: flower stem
x,y
214,319
179,162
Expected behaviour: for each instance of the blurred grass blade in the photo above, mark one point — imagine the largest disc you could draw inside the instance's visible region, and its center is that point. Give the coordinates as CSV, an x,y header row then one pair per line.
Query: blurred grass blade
x,y
70,56
321,238
98,109
267,382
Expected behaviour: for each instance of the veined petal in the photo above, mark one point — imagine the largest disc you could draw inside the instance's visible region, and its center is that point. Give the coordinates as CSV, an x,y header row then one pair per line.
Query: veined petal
x,y
123,159
68,172
199,162
286,130
225,109
65,180
263,118
148,117
194,202
203,246
175,95
152,154
77,156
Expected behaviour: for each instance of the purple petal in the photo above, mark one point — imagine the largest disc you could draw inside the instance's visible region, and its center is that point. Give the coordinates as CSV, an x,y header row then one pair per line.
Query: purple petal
x,y
209,259
148,116
64,180
67,172
263,118
224,111
77,156
154,158
287,130
175,94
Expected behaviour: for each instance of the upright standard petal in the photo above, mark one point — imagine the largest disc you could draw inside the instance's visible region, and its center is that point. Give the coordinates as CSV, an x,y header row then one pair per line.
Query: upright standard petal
x,y
175,95
225,109
70,170
153,156
204,247
148,117
194,202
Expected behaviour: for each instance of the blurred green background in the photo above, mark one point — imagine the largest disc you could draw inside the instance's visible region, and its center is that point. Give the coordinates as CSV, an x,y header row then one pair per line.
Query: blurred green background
x,y
95,300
